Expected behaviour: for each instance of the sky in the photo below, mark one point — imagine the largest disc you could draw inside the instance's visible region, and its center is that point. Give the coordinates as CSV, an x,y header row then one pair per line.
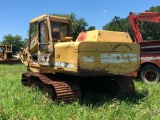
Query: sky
x,y
16,14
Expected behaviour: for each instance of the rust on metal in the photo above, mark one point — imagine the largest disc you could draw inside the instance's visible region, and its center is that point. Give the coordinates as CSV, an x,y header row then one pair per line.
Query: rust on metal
x,y
66,88
56,88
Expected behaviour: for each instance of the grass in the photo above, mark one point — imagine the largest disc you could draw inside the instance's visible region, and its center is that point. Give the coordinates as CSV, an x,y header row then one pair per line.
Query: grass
x,y
22,103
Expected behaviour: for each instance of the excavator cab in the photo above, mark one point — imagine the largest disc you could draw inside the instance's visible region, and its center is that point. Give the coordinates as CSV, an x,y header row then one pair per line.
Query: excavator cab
x,y
61,67
5,51
45,31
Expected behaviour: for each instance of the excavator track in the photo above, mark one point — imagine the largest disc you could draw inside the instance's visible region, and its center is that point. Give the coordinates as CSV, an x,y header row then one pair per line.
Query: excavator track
x,y
125,84
57,87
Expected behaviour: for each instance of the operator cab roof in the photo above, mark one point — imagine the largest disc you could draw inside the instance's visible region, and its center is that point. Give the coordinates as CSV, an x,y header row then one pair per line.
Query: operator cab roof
x,y
52,18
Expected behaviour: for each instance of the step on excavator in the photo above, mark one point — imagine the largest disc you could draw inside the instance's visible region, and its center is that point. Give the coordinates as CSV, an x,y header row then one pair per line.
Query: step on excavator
x,y
61,66
6,55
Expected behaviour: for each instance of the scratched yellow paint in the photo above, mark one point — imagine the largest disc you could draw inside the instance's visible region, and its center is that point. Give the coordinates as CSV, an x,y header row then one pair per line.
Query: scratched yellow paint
x,y
115,58
67,53
102,53
106,57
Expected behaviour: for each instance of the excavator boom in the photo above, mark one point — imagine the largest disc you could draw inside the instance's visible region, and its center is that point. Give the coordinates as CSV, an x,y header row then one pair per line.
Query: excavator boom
x,y
150,50
144,16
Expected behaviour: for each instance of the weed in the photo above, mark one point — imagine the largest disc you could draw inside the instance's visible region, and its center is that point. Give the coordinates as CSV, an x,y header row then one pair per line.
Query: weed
x,y
22,103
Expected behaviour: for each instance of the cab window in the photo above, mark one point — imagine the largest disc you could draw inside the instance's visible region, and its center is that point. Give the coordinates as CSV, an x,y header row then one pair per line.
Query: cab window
x,y
59,30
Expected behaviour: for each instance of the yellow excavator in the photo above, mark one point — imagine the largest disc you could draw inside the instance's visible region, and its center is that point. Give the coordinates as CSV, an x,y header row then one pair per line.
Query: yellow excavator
x,y
61,66
6,55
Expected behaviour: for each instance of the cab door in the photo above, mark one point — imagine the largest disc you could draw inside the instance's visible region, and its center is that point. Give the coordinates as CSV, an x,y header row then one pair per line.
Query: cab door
x,y
44,44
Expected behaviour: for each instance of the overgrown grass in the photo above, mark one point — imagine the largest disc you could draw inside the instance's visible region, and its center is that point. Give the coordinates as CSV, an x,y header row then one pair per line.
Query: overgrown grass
x,y
22,103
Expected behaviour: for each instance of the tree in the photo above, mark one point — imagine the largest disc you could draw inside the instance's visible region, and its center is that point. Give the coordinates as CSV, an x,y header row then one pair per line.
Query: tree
x,y
149,31
91,28
78,25
117,24
25,42
15,41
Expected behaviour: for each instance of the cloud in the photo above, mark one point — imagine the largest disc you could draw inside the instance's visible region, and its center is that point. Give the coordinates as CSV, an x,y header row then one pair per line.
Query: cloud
x,y
104,11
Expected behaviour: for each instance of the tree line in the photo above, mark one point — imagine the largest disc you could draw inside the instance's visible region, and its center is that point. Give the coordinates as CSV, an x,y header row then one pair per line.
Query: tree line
x,y
149,31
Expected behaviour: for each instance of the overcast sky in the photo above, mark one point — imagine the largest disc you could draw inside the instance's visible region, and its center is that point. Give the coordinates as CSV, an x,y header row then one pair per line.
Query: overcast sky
x,y
16,14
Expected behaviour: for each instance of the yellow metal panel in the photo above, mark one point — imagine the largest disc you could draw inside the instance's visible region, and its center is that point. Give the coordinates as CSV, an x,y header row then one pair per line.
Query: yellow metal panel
x,y
113,36
110,62
52,18
34,44
92,36
66,56
106,57
113,58
38,18
100,58
109,46
104,36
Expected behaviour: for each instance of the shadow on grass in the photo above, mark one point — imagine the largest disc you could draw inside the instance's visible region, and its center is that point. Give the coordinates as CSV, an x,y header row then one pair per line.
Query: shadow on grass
x,y
99,93
100,98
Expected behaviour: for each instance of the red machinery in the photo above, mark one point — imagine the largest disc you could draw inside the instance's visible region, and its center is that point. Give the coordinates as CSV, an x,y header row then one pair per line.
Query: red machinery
x,y
150,50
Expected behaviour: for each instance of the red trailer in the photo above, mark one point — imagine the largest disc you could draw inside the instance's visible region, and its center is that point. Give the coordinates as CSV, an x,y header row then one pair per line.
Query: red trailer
x,y
150,50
